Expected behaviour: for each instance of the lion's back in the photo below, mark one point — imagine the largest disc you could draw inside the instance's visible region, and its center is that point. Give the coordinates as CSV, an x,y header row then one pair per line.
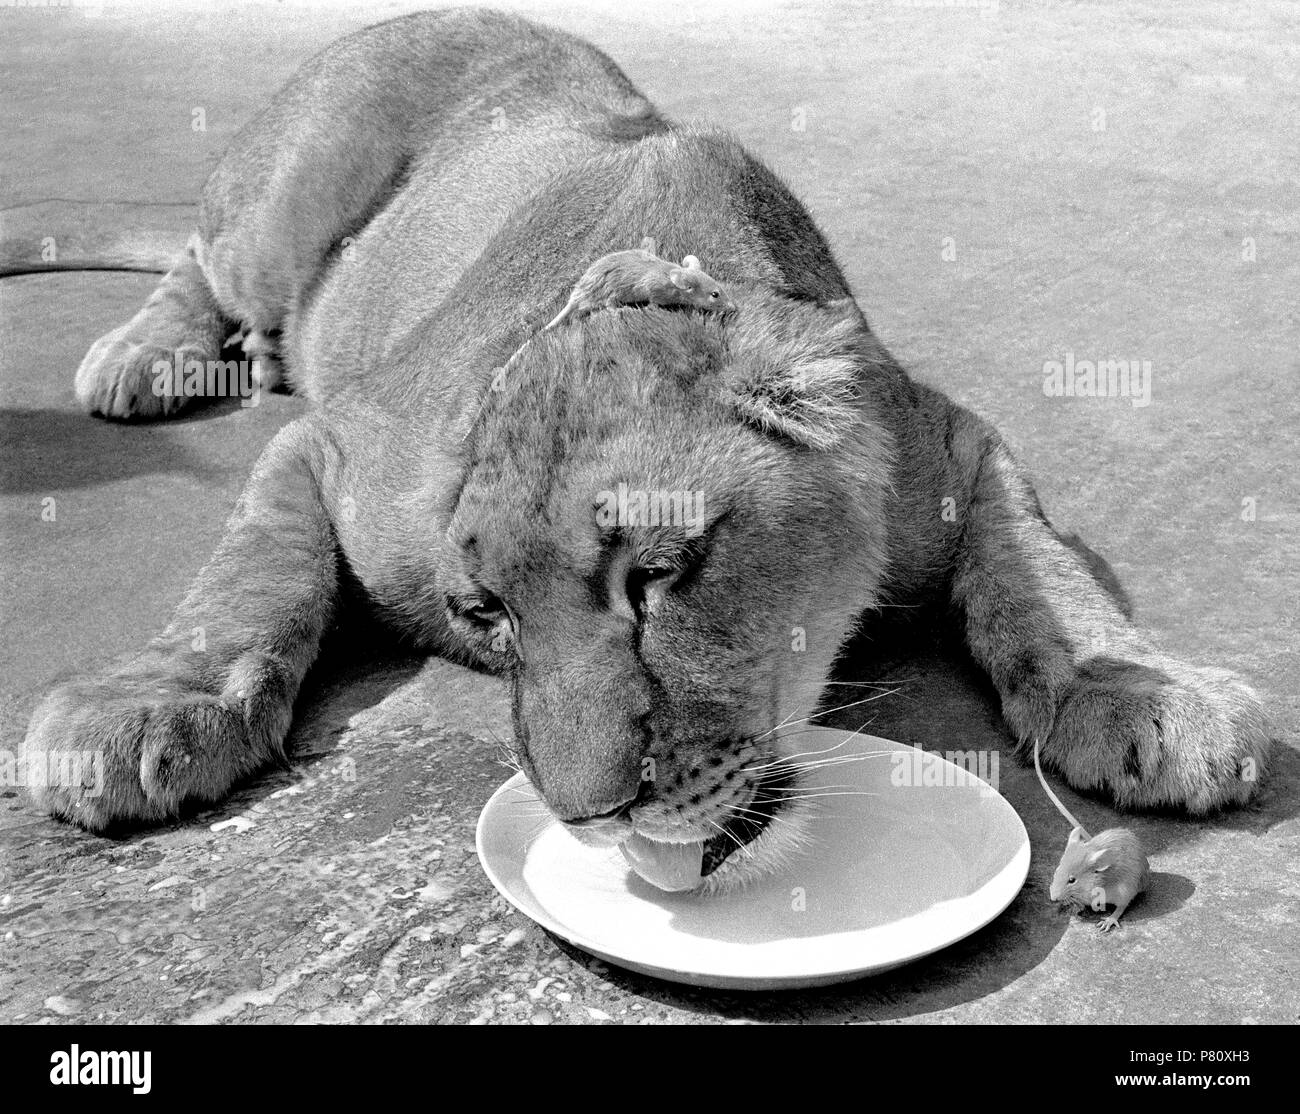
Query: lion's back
x,y
429,94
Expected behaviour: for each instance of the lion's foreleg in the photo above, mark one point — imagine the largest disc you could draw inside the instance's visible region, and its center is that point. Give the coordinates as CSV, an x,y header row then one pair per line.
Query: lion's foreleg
x,y
1114,713
210,700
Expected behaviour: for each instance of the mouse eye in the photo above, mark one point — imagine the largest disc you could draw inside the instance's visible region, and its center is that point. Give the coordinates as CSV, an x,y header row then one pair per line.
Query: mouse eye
x,y
714,295
1069,881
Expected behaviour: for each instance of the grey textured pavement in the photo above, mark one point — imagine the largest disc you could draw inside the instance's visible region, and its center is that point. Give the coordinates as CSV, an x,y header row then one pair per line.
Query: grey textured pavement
x,y
1002,189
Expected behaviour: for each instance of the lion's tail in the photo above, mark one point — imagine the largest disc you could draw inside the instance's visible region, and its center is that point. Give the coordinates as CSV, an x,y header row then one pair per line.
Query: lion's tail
x,y
63,235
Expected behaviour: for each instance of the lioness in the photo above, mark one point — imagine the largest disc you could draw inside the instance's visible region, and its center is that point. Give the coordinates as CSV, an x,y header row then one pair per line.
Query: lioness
x,y
401,216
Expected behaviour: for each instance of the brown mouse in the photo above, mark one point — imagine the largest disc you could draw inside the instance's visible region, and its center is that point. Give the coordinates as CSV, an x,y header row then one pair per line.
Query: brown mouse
x,y
639,277
1109,868
633,277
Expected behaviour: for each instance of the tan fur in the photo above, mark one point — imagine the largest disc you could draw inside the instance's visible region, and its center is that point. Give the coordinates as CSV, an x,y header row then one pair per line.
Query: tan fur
x,y
469,504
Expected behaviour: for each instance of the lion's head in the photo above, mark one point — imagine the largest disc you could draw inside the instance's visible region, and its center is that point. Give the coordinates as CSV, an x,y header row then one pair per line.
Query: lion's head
x,y
668,525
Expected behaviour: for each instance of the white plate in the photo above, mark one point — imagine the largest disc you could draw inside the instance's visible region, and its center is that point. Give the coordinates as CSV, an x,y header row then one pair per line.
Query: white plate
x,y
915,855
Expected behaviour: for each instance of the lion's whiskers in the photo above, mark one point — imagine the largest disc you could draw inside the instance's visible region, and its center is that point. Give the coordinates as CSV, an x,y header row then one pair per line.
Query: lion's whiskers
x,y
537,831
731,836
804,754
760,815
788,722
834,791
872,684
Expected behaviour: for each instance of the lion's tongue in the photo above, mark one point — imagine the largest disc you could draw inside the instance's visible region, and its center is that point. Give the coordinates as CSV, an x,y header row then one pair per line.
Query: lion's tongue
x,y
670,866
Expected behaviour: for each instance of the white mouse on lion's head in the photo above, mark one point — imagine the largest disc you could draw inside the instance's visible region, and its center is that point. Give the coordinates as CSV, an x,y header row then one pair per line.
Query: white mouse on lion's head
x,y
635,586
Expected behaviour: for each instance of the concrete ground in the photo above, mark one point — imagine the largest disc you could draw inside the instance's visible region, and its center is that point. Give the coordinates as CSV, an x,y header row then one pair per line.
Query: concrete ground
x,y
1003,189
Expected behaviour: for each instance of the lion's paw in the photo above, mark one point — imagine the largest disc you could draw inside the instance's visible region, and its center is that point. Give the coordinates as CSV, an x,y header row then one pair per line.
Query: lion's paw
x,y
127,750
1159,733
120,375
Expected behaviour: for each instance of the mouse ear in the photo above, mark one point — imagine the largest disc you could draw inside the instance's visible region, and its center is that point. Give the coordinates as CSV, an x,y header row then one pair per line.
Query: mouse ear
x,y
690,263
1076,836
679,278
1095,858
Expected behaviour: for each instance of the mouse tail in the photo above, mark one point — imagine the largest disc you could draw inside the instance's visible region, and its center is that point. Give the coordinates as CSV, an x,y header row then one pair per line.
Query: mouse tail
x,y
1055,799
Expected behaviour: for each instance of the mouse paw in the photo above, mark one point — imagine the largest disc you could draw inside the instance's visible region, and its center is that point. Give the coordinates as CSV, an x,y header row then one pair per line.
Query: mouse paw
x,y
1110,922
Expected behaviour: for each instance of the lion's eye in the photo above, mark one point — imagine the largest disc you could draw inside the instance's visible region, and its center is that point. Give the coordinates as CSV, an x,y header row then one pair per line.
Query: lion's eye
x,y
484,611
644,584
486,614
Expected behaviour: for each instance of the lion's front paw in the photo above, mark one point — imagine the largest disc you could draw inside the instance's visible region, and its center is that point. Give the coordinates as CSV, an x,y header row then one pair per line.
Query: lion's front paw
x,y
122,376
127,750
1158,732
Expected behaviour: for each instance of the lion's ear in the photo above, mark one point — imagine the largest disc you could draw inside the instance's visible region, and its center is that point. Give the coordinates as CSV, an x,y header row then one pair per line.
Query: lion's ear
x,y
794,369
